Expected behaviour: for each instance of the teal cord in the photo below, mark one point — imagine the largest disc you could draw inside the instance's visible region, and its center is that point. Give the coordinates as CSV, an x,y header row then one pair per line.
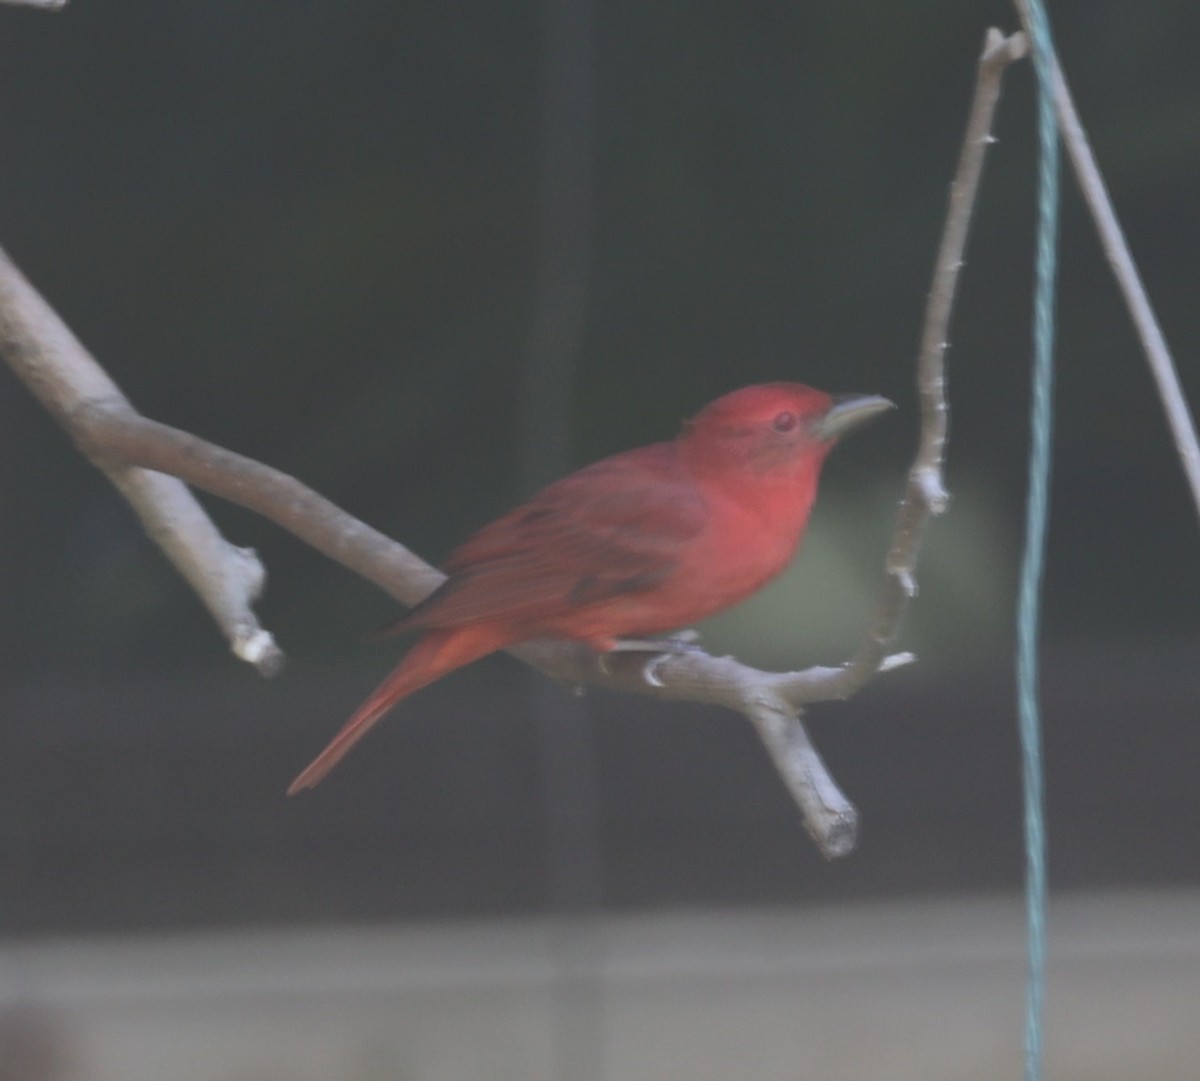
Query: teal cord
x,y
1033,560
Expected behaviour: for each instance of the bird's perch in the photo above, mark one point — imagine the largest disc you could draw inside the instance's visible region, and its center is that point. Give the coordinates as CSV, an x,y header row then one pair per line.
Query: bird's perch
x,y
150,464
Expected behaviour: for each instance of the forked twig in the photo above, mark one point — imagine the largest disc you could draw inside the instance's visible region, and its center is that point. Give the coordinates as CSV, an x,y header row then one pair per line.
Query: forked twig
x,y
926,495
44,353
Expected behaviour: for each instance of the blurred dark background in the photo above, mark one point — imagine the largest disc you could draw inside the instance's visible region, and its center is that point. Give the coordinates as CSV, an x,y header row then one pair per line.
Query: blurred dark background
x,y
423,256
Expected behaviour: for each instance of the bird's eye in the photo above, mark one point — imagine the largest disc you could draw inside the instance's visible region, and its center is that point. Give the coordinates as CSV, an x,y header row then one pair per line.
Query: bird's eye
x,y
784,422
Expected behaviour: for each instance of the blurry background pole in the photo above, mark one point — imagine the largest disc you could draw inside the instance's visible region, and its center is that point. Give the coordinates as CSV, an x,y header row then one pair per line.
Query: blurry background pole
x,y
559,316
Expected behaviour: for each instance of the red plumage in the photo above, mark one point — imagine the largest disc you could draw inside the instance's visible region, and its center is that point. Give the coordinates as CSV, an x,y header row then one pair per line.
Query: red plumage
x,y
643,542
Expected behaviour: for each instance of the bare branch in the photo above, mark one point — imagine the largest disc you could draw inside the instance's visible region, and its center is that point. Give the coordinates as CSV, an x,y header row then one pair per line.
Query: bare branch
x,y
59,370
926,494
118,432
45,5
1112,239
127,445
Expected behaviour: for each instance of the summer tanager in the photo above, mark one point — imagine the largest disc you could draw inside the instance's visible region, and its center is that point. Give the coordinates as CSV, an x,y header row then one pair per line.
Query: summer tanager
x,y
640,543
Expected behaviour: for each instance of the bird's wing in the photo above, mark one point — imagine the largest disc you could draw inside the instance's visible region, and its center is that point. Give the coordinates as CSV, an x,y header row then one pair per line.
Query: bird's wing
x,y
613,528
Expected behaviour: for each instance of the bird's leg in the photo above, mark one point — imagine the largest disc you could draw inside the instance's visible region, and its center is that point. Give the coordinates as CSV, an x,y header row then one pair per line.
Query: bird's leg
x,y
683,641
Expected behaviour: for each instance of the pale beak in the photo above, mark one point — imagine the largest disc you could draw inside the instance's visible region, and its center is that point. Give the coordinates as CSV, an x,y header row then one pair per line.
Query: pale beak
x,y
849,411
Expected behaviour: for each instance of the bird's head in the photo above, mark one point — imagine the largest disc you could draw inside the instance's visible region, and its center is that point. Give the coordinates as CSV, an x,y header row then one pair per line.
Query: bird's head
x,y
767,428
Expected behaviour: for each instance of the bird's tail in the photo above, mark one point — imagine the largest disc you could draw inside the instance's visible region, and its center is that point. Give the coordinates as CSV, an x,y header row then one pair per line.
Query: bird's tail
x,y
434,655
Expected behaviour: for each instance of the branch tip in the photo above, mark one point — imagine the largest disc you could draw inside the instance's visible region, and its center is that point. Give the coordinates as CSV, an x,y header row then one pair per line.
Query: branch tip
x,y
840,837
260,649
1000,49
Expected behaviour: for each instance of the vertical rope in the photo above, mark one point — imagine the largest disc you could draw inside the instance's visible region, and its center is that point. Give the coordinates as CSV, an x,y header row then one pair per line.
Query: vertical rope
x,y
1033,560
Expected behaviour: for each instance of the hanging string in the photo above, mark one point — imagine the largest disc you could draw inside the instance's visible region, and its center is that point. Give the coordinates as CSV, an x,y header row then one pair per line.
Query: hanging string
x,y
1037,498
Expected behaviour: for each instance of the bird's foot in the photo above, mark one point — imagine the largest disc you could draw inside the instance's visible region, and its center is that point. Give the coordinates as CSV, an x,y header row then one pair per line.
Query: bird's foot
x,y
684,641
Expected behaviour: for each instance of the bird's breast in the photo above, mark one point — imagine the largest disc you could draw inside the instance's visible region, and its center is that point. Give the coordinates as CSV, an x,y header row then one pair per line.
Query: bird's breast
x,y
746,545
741,548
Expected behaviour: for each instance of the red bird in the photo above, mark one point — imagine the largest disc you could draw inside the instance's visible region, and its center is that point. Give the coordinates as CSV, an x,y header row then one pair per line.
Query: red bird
x,y
640,543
